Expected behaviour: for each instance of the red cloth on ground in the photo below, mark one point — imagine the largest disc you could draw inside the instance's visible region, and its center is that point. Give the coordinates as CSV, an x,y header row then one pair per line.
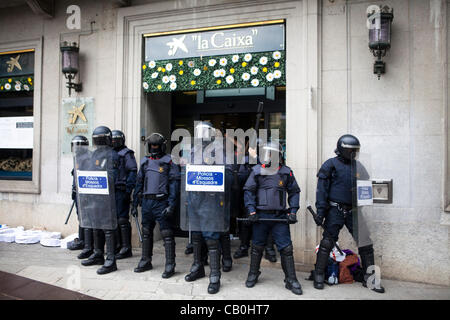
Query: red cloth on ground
x,y
345,275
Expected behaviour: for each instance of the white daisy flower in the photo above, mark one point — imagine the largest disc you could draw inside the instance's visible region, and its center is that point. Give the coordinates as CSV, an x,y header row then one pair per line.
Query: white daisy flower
x,y
172,78
216,73
212,62
154,75
173,86
276,55
7,86
263,60
17,87
269,77
245,76
235,58
229,79
248,57
255,82
26,87
165,79
277,74
169,67
145,85
223,61
254,70
197,72
222,72
152,64
191,64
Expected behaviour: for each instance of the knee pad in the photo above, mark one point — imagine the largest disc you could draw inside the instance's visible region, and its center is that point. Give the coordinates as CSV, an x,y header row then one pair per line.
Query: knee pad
x,y
327,243
365,250
122,221
287,251
166,233
147,230
196,236
212,244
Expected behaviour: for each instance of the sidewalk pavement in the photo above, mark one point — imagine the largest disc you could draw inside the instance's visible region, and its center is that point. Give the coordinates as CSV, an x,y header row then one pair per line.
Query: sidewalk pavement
x,y
60,267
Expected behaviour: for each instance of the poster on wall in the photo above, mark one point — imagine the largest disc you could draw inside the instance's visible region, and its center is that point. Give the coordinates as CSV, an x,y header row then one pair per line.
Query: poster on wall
x,y
16,132
78,119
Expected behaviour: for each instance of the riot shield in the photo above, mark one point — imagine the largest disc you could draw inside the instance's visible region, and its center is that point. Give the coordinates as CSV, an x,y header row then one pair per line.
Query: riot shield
x,y
94,174
205,198
362,194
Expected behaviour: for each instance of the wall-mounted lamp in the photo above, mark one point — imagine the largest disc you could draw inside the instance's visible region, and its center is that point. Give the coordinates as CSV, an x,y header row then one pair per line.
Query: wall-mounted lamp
x,y
70,65
379,22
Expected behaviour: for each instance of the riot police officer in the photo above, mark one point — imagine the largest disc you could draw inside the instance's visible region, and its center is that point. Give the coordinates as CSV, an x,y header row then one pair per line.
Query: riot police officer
x,y
157,185
334,202
265,198
103,157
203,205
84,240
124,185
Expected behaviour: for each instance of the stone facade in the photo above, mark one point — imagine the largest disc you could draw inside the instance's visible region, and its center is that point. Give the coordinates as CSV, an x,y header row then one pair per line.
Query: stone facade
x,y
400,119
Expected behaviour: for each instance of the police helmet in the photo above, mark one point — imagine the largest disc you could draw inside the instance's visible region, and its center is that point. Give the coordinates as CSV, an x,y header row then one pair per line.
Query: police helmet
x,y
102,136
156,139
118,139
269,149
347,146
79,141
204,130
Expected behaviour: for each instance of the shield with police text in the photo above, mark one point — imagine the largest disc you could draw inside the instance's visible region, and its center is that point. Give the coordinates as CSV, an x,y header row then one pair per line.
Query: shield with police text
x,y
205,198
94,172
362,198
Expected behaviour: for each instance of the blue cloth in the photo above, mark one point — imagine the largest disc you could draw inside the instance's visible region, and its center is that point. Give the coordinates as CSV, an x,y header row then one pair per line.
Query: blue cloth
x,y
280,231
208,235
122,204
335,221
152,213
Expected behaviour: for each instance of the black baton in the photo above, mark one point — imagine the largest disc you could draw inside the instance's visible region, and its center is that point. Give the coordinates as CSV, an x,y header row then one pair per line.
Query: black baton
x,y
310,209
70,212
138,228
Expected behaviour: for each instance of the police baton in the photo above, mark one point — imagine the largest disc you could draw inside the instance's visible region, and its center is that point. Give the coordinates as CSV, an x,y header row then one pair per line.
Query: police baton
x,y
310,209
138,228
70,212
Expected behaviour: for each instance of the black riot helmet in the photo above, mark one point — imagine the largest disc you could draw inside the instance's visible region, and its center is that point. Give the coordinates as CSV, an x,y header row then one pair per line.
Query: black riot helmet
x,y
268,151
156,139
102,136
118,139
347,146
79,141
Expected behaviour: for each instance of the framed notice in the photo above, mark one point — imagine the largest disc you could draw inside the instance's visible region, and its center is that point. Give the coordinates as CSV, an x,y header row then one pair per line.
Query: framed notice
x,y
205,178
16,132
92,182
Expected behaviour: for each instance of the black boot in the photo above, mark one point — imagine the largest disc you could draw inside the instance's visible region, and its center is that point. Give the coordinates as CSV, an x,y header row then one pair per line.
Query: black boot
x,y
326,245
225,242
204,253
197,269
367,260
214,259
88,244
117,236
287,262
189,248
110,262
241,252
270,250
99,246
145,263
169,246
255,262
125,236
77,243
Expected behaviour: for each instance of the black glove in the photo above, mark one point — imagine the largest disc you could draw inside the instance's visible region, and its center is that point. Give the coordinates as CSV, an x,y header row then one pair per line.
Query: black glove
x,y
318,218
292,218
134,211
252,218
74,194
167,212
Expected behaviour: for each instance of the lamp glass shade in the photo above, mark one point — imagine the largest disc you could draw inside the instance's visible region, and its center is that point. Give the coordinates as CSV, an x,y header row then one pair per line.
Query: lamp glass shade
x,y
69,60
380,38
